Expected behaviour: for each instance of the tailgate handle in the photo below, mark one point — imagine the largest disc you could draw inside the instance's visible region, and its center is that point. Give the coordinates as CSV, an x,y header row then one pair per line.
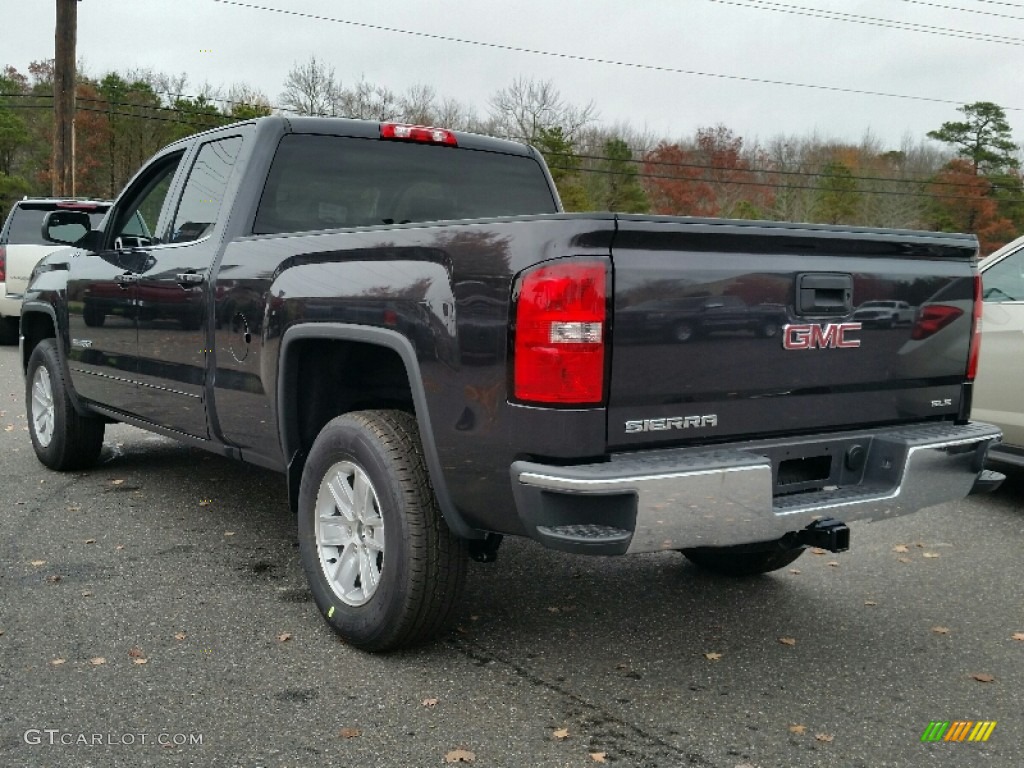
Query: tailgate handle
x,y
824,294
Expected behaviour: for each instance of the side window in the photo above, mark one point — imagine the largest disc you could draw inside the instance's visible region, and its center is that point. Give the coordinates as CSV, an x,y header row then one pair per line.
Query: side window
x,y
137,217
1005,280
204,190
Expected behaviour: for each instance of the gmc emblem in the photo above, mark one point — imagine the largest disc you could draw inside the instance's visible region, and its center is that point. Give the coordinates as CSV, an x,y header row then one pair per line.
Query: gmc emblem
x,y
814,336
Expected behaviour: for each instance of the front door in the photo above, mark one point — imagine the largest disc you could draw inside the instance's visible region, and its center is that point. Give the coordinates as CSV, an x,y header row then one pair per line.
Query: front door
x,y
102,293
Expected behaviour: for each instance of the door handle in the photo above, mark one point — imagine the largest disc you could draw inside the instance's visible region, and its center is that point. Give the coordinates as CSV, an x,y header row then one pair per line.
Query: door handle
x,y
126,279
186,279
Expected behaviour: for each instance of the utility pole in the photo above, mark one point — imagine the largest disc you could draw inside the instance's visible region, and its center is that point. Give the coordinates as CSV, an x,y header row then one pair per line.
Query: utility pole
x,y
64,99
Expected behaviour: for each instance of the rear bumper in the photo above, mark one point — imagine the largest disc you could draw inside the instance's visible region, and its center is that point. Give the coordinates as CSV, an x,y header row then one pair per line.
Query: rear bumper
x,y
728,495
10,304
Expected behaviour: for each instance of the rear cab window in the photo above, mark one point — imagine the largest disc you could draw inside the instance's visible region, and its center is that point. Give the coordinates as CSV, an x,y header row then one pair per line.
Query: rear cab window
x,y
26,224
330,182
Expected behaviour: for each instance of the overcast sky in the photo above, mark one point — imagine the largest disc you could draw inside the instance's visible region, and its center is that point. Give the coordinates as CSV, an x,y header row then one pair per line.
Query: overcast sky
x,y
224,43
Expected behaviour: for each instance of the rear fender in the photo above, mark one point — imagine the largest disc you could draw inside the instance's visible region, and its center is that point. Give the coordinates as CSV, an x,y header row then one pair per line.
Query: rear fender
x,y
288,427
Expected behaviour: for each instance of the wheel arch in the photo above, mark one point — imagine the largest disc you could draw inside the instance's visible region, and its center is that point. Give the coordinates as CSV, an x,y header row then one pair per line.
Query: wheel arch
x,y
294,445
38,322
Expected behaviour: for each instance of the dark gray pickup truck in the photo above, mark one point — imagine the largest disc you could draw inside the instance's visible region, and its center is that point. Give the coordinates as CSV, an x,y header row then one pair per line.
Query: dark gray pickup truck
x,y
402,321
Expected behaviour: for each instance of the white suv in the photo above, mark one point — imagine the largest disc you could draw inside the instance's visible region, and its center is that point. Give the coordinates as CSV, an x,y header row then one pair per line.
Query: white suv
x,y
22,247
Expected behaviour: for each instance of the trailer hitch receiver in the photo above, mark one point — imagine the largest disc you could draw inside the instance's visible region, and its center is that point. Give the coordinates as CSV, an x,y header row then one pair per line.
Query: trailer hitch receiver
x,y
827,534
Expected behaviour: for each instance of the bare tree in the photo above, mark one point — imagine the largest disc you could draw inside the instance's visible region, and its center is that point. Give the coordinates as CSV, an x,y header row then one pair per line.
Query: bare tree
x,y
169,87
367,101
419,105
527,107
311,89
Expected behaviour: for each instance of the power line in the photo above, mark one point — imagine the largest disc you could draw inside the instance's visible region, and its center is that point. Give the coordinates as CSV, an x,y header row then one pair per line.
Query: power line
x,y
186,118
872,21
595,59
966,10
999,2
768,185
766,171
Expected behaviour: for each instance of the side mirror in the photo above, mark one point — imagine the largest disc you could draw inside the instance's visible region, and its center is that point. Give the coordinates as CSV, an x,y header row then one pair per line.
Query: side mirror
x,y
66,227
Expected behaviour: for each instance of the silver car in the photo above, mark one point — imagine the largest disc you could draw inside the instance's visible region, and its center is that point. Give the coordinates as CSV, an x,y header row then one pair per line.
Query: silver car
x,y
999,387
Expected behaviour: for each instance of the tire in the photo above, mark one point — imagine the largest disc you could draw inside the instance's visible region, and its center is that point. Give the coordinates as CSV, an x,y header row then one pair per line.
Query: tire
x,y
62,438
8,330
743,561
684,332
397,538
93,316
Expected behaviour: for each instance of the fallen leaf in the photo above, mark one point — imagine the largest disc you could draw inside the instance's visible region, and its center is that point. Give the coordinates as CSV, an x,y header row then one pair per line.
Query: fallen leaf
x,y
983,677
90,541
284,637
622,665
904,559
140,661
826,737
136,653
833,563
229,533
1014,636
2,631
204,502
9,428
349,733
919,544
117,482
460,756
901,548
817,551
797,728
57,662
930,554
180,635
55,578
86,593
940,630
74,509
870,602
599,757
119,547
561,733
430,702
97,661
37,563
787,640
795,571
712,656
554,609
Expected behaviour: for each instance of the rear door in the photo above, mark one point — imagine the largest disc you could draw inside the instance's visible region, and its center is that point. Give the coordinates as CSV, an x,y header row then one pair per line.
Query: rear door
x,y
174,294
822,371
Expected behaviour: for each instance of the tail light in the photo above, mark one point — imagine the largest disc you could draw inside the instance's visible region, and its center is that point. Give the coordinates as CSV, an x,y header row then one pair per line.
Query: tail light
x,y
932,318
420,133
3,264
979,305
559,334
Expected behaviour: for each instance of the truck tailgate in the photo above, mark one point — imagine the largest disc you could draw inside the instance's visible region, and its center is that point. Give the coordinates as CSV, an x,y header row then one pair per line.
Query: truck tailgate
x,y
724,330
